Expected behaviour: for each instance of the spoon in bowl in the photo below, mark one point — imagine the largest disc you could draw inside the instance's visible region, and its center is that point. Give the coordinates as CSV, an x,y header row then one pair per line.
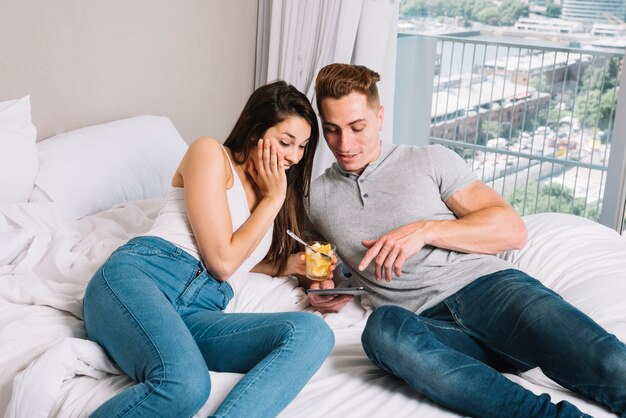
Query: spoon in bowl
x,y
297,238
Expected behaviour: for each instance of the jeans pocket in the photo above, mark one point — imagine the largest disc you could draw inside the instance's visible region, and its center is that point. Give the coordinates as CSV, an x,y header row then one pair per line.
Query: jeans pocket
x,y
205,292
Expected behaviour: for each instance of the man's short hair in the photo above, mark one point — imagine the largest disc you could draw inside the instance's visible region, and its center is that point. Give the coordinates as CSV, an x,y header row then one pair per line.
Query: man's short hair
x,y
339,80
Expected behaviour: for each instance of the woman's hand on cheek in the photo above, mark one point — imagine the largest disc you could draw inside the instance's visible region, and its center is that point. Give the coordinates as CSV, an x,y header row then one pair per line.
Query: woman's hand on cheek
x,y
270,174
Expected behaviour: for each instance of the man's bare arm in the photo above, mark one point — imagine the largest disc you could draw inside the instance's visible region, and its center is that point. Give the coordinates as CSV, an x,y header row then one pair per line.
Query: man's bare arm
x,y
485,224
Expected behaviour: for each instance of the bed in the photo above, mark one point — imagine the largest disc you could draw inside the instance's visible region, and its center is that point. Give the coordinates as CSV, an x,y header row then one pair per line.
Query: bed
x,y
80,194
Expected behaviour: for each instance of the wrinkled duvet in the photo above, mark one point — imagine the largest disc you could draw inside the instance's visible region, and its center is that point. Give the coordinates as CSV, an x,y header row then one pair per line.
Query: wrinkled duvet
x,y
48,368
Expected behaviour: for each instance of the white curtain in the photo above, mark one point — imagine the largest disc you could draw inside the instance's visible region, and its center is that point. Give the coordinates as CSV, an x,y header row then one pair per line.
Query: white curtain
x,y
298,37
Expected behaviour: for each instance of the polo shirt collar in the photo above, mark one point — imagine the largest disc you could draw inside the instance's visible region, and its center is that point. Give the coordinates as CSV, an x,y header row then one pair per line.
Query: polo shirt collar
x,y
385,149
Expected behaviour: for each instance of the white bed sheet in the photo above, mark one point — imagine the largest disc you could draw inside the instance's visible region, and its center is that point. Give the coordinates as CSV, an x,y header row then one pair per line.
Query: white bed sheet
x,y
49,369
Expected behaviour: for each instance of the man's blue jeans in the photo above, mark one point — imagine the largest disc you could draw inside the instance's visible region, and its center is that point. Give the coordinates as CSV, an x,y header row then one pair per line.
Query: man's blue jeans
x,y
158,313
452,353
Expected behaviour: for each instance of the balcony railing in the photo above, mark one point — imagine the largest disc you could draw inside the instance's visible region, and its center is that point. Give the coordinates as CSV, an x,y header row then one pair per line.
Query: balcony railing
x,y
535,123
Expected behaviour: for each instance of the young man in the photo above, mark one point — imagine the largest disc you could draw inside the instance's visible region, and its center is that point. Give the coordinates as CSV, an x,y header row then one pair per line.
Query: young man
x,y
417,229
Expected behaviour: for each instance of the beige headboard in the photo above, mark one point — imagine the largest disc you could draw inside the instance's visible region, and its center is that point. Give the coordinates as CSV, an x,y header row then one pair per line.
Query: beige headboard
x,y
92,61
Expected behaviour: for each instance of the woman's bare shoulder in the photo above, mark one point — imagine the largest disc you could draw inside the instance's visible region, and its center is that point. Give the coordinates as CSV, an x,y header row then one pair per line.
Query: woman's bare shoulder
x,y
205,144
203,153
203,148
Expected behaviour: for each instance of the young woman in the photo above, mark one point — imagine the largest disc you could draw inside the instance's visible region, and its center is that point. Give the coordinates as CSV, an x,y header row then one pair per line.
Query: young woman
x,y
156,305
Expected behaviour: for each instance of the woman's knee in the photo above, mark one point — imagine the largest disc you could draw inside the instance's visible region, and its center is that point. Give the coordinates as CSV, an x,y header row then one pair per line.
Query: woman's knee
x,y
318,330
187,385
315,331
197,387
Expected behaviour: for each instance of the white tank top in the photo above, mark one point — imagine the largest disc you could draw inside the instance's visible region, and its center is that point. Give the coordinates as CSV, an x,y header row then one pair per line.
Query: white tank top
x,y
172,224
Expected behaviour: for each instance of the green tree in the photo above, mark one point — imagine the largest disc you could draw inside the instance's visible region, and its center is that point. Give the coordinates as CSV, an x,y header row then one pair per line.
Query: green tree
x,y
540,84
436,8
601,76
551,116
472,8
608,102
504,15
489,16
467,9
452,8
613,72
597,96
511,10
549,198
485,11
489,129
597,107
553,10
414,8
422,8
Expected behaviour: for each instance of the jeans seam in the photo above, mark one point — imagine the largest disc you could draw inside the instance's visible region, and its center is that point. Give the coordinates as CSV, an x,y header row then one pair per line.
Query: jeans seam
x,y
446,328
458,321
194,276
146,240
226,298
143,331
241,392
510,357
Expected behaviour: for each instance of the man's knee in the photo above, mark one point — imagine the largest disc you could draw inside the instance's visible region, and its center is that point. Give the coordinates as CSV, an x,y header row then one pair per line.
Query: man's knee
x,y
612,364
382,329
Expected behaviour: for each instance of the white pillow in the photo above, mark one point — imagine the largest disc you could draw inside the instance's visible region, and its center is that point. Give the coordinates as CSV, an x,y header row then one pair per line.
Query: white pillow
x,y
94,168
18,156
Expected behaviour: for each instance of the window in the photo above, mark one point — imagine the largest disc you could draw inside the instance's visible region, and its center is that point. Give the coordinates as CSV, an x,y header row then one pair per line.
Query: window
x,y
533,117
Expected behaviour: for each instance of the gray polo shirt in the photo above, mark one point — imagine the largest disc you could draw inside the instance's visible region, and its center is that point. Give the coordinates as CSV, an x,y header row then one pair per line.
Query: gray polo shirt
x,y
405,184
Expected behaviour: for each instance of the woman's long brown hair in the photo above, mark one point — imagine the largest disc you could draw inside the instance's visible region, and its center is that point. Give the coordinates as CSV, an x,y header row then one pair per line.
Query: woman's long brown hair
x,y
268,106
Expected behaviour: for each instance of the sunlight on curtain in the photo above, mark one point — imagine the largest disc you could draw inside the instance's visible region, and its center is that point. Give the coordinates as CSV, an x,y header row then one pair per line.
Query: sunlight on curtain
x,y
298,37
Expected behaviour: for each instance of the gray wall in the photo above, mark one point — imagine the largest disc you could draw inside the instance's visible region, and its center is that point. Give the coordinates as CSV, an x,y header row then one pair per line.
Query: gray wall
x,y
92,61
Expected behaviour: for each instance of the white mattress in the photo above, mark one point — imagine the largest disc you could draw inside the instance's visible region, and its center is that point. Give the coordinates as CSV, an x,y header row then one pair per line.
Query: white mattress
x,y
47,368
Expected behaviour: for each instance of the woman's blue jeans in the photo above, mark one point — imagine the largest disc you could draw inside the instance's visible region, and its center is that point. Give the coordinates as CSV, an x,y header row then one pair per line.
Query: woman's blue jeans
x,y
452,353
158,314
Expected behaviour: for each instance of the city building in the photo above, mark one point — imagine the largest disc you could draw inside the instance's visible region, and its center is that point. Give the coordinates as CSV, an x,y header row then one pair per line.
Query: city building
x,y
544,25
608,30
594,11
462,102
550,66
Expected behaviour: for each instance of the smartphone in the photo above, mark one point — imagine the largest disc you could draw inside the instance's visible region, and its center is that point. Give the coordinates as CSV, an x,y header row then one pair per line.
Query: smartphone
x,y
354,291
